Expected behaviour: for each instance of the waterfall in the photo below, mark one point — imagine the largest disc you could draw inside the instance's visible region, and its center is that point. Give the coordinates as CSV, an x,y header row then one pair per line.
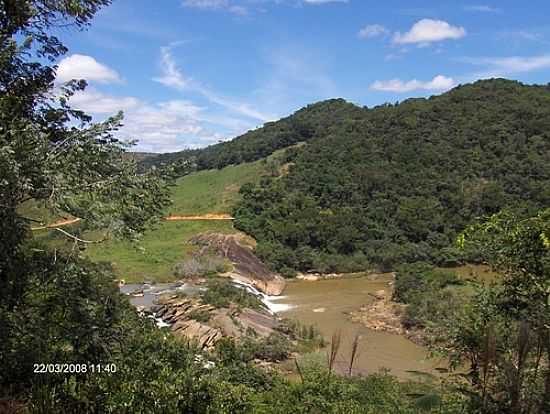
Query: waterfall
x,y
267,300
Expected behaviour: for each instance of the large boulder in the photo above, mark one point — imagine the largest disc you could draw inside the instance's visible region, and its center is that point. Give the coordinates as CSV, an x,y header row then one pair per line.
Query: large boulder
x,y
247,267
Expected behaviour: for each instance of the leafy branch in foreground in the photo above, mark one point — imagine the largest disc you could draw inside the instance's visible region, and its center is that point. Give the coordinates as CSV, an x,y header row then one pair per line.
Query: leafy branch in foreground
x,y
504,332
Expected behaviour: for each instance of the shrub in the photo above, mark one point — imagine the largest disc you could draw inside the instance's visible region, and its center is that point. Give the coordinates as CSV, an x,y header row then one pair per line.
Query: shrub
x,y
201,266
221,293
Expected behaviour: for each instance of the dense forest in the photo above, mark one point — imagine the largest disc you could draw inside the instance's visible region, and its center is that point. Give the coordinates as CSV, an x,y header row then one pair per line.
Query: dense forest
x,y
397,183
392,184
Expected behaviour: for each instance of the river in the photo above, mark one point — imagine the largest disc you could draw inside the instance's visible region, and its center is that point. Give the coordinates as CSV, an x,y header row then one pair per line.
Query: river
x,y
326,304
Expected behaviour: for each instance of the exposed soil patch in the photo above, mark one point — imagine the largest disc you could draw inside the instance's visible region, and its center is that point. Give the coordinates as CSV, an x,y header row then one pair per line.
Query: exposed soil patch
x,y
201,217
385,315
246,266
60,223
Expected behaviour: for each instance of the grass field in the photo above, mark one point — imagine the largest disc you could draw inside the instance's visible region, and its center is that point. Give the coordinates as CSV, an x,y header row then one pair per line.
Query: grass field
x,y
154,257
213,191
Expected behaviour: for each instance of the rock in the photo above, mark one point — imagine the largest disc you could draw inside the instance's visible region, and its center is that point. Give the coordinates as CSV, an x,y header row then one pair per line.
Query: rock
x,y
319,310
307,277
380,294
262,324
221,322
205,335
247,267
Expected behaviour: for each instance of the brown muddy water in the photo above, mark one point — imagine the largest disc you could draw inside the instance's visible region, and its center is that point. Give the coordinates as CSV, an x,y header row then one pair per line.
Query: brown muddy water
x,y
326,304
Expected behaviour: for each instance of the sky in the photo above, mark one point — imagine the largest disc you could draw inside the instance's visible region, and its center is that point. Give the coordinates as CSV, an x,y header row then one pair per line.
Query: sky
x,y
191,73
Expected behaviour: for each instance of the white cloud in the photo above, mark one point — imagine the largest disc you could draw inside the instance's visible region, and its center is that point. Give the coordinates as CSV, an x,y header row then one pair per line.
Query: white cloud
x,y
173,77
171,74
85,67
162,126
372,30
517,64
93,101
523,35
215,5
438,83
482,8
503,66
427,31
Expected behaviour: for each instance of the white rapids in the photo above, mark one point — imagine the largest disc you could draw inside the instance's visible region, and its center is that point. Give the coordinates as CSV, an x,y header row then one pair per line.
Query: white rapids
x,y
270,302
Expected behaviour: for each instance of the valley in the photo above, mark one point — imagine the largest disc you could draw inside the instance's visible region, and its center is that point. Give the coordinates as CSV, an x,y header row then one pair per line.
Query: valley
x,y
325,304
385,249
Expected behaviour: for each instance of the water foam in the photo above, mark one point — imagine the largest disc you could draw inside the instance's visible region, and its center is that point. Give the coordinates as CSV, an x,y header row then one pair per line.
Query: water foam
x,y
267,300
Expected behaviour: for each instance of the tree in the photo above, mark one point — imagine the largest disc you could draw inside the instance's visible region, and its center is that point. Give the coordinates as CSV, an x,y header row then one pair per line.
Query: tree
x,y
54,305
505,332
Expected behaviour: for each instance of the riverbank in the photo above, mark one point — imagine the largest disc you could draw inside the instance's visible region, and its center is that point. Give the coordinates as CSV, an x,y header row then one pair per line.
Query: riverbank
x,y
329,306
384,315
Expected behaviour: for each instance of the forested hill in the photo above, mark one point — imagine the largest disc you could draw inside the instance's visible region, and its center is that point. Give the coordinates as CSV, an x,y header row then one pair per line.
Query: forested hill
x,y
316,120
396,183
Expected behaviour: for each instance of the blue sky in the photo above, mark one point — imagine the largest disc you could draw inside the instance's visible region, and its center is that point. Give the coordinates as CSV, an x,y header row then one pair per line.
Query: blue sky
x,y
189,73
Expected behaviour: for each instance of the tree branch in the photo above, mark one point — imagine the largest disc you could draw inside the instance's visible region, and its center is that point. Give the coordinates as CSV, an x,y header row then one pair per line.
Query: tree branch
x,y
76,239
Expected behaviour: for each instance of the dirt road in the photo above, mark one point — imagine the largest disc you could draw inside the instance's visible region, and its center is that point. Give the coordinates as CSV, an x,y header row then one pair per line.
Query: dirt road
x,y
68,222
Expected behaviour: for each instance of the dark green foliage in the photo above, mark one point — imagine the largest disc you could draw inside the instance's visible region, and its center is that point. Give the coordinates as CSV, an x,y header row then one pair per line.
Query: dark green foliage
x,y
397,183
418,278
69,313
222,292
308,338
504,330
274,348
202,316
424,289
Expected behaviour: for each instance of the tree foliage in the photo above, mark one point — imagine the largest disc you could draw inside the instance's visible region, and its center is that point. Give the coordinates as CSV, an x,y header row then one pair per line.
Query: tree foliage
x,y
398,183
504,332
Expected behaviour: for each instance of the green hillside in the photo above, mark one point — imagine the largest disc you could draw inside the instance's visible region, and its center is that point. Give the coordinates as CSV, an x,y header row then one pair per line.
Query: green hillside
x,y
204,192
212,191
397,183
154,257
313,121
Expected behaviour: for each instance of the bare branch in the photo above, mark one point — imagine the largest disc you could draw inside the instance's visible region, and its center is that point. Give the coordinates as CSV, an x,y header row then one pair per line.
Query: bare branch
x,y
76,239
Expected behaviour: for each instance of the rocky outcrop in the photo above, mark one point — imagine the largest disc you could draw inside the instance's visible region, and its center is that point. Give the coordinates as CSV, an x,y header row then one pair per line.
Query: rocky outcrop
x,y
205,324
381,315
178,312
247,267
204,335
385,315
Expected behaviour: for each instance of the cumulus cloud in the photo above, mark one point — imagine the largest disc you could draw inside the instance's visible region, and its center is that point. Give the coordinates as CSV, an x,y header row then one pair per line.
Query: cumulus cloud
x,y
170,125
372,30
438,83
85,67
428,31
162,126
93,101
